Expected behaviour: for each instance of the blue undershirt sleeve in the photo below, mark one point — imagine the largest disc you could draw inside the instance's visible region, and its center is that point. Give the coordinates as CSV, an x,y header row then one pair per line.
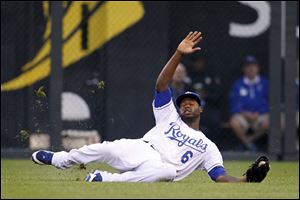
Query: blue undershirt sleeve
x,y
216,172
162,98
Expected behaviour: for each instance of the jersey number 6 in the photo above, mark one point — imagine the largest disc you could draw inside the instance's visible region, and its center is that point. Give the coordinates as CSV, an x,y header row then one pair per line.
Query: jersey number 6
x,y
186,156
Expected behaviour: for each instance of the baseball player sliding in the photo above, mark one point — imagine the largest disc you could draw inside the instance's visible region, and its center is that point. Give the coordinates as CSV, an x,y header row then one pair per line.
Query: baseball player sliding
x,y
170,151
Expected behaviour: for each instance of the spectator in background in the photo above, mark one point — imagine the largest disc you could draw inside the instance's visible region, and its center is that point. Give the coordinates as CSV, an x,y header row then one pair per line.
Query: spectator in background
x,y
209,87
249,104
180,82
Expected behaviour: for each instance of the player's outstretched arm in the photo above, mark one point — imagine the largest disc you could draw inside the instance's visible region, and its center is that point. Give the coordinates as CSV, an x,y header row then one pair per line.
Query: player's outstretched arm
x,y
230,179
187,46
255,173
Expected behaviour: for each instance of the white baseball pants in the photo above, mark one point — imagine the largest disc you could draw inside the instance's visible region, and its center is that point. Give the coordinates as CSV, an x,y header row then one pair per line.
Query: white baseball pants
x,y
136,160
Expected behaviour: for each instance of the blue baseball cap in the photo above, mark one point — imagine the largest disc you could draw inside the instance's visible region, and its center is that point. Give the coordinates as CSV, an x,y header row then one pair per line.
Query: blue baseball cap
x,y
192,95
250,59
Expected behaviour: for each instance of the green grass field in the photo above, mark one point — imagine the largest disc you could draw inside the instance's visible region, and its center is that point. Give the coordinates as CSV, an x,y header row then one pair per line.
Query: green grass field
x,y
23,179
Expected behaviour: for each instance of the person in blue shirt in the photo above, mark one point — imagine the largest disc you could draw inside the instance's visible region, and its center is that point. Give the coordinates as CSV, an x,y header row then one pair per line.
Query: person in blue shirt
x,y
249,104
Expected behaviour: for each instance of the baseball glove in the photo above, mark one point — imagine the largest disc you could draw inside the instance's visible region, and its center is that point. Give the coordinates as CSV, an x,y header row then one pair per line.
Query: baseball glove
x,y
258,170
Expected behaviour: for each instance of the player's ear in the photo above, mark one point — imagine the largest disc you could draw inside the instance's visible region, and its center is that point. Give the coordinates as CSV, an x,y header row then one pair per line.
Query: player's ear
x,y
200,109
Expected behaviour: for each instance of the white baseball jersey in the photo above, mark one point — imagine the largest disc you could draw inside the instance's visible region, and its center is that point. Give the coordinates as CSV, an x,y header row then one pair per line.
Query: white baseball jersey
x,y
178,151
180,145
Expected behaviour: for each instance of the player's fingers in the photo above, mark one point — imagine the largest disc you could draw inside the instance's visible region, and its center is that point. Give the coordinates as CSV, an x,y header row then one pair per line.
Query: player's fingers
x,y
193,35
189,35
197,37
198,40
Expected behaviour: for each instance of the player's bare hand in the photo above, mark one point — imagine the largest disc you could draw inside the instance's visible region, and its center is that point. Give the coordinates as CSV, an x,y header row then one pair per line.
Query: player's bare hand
x,y
187,46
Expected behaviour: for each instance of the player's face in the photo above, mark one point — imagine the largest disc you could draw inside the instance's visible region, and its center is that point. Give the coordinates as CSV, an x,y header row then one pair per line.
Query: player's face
x,y
189,108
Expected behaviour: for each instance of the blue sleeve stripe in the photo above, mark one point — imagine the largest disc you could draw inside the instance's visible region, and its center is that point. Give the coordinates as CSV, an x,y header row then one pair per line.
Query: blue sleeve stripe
x,y
216,172
162,98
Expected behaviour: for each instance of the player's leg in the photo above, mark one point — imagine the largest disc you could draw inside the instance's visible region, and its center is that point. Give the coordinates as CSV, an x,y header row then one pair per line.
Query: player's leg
x,y
150,171
123,155
116,153
63,159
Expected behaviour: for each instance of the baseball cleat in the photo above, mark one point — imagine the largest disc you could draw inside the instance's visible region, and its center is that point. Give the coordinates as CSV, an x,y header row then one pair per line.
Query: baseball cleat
x,y
94,177
42,157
